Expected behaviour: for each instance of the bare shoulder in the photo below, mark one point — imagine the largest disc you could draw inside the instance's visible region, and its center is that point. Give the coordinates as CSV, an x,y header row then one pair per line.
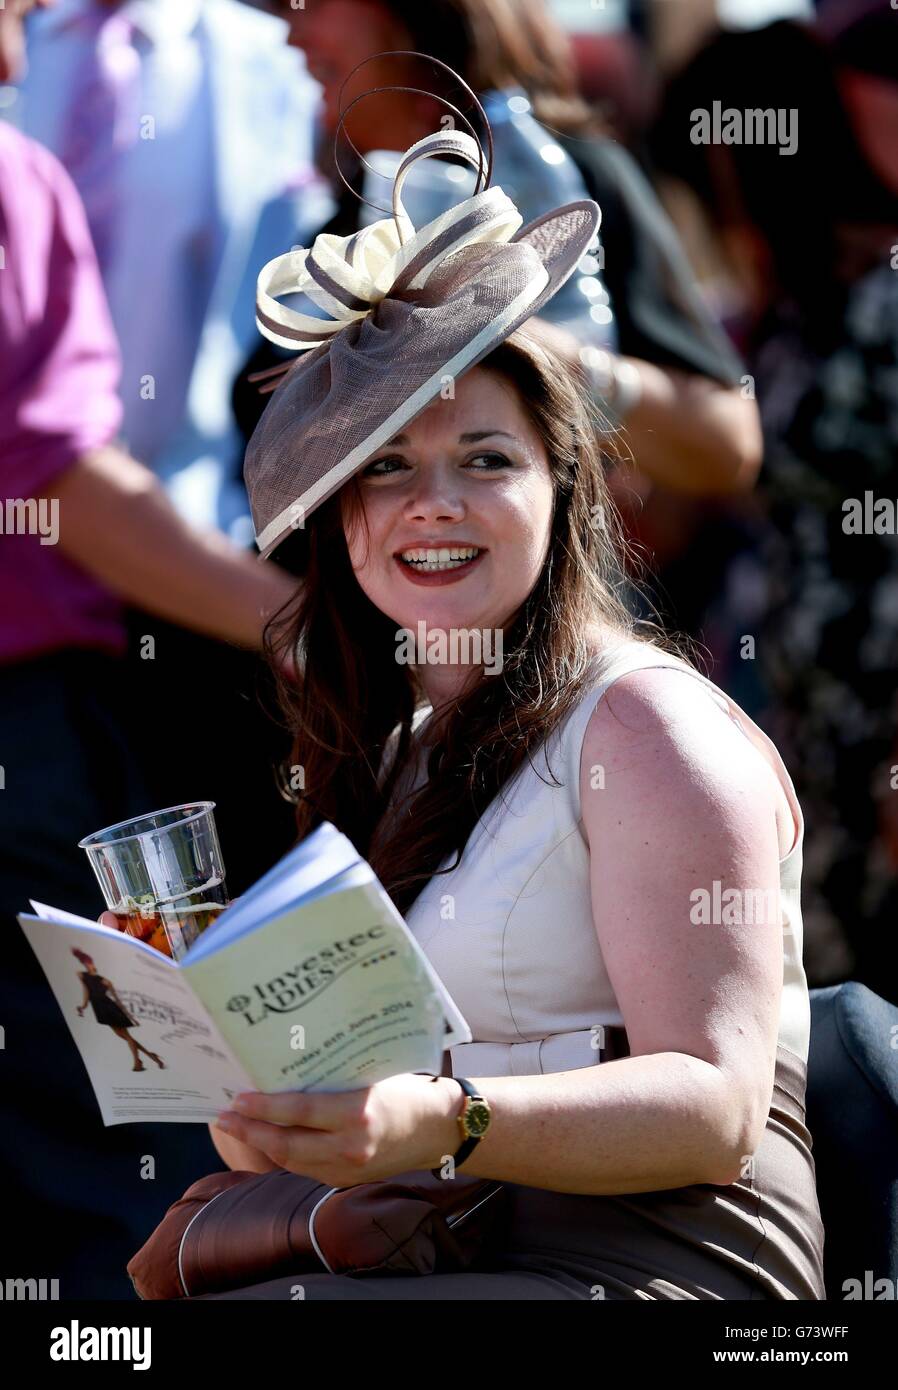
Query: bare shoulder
x,y
665,748
658,703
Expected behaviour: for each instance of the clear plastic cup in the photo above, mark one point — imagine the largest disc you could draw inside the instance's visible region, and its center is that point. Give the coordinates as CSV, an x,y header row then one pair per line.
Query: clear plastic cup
x,y
162,874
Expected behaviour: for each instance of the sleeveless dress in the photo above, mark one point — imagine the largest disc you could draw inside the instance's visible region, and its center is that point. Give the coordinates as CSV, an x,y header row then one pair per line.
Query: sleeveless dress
x,y
105,1009
484,926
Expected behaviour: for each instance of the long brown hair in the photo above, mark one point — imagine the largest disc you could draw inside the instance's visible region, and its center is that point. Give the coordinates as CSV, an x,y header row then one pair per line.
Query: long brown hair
x,y
354,693
495,44
519,43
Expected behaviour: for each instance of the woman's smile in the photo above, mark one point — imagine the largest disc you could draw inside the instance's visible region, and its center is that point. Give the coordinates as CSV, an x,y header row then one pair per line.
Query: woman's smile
x,y
437,567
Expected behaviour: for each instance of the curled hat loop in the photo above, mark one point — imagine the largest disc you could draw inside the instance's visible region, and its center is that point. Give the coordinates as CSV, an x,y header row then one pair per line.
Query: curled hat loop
x,y
347,277
454,142
485,162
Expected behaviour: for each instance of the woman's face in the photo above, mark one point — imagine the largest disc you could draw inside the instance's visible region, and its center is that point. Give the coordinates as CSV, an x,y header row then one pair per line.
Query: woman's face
x,y
335,36
468,472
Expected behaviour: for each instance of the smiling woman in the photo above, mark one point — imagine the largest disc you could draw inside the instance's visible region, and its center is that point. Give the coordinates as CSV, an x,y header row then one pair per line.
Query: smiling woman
x,y
640,1079
547,565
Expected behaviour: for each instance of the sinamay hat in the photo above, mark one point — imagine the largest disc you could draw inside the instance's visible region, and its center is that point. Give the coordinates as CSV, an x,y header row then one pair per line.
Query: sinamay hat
x,y
406,311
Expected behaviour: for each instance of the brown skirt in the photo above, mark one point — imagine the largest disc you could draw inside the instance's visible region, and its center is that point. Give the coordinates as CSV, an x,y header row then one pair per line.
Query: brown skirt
x,y
759,1238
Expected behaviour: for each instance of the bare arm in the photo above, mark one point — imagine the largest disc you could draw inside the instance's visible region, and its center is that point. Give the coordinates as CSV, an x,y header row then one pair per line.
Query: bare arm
x,y
686,801
692,434
117,522
686,432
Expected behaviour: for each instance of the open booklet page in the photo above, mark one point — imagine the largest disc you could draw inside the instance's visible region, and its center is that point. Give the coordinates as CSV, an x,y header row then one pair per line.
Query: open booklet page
x,y
133,999
330,993
331,996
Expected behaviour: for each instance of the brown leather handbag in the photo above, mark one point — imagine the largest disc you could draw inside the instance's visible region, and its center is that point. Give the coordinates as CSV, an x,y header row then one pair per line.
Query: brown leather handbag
x,y
234,1229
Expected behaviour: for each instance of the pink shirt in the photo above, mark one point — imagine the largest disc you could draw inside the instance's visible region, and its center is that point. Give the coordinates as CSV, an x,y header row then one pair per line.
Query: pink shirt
x,y
59,370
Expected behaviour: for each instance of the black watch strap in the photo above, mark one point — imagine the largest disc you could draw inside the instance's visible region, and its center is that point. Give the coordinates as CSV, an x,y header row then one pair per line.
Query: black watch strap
x,y
470,1143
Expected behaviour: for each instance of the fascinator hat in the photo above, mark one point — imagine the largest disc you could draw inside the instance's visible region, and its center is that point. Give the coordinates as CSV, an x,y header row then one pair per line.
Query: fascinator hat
x,y
405,310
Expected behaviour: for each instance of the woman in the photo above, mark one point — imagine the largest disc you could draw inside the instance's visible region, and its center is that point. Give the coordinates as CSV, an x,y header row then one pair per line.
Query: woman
x,y
108,1009
566,914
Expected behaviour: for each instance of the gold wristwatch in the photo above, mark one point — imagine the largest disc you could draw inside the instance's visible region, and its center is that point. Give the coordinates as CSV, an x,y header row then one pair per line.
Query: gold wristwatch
x,y
473,1121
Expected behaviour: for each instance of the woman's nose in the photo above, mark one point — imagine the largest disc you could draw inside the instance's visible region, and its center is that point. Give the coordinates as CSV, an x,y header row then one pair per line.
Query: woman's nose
x,y
435,509
436,496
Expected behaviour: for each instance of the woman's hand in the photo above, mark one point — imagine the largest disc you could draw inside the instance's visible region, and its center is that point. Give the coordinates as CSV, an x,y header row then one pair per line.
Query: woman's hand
x,y
405,1123
81,1008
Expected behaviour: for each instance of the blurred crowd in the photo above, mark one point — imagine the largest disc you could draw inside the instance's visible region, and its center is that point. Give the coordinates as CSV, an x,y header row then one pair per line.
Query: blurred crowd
x,y
736,321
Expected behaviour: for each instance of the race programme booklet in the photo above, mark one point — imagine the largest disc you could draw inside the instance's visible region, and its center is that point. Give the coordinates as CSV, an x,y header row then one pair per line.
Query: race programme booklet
x,y
311,981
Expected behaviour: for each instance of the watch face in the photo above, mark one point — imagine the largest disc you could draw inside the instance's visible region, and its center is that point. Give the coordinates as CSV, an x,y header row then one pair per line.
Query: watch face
x,y
477,1119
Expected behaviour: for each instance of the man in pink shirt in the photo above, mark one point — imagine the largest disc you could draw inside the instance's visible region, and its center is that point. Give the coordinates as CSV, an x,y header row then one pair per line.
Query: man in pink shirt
x,y
59,412
59,367
85,531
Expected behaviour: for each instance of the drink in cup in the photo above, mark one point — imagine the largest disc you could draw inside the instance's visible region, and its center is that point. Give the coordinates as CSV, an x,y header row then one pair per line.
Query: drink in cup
x,y
163,925
162,875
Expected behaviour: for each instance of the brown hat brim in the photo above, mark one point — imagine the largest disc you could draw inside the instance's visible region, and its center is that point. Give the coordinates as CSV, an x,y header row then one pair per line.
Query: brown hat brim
x,y
343,401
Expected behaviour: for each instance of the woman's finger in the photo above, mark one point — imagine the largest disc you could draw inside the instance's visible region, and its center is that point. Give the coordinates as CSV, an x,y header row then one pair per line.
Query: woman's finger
x,y
299,1150
308,1110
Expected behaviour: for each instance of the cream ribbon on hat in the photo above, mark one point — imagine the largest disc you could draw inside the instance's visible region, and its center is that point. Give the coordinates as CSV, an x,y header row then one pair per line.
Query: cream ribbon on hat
x,y
347,277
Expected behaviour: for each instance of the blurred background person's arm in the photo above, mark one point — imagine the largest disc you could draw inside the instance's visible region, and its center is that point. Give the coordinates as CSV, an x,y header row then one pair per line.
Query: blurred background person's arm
x,y
118,523
685,431
185,126
58,374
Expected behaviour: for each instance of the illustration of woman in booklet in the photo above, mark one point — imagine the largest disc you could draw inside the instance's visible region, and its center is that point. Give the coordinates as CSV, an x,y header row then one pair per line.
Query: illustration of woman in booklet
x,y
101,994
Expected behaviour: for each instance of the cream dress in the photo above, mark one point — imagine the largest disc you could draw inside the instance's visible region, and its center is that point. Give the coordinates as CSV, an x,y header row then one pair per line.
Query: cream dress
x,y
511,933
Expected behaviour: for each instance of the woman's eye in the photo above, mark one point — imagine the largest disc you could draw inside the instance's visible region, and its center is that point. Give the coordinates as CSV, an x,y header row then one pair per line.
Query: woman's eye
x,y
379,466
382,468
495,460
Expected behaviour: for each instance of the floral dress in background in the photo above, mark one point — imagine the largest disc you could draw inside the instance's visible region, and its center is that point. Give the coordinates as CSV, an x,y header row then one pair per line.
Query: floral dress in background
x,y
827,645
